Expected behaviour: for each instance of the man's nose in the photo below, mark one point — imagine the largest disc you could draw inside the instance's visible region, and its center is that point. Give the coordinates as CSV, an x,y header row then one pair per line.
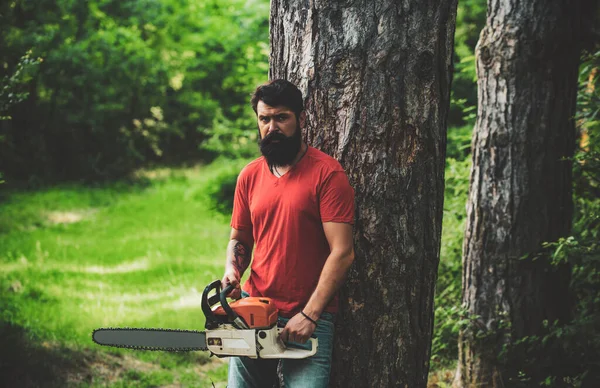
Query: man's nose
x,y
272,127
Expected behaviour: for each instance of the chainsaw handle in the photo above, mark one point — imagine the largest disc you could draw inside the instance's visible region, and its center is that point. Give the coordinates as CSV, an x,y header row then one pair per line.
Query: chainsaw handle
x,y
217,297
216,285
232,315
297,353
208,303
227,290
220,296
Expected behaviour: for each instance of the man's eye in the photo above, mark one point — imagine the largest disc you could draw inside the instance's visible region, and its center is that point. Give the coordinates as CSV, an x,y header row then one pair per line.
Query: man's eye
x,y
264,120
281,118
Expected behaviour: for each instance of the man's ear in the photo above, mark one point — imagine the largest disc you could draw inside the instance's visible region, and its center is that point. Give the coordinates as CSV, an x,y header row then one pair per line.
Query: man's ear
x,y
302,119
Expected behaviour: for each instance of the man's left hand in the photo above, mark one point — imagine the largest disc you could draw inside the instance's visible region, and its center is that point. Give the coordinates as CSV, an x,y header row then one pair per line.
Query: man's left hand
x,y
298,329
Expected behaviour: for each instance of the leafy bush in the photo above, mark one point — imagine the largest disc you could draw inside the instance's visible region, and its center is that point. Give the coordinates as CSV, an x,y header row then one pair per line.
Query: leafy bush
x,y
219,191
121,83
459,142
13,86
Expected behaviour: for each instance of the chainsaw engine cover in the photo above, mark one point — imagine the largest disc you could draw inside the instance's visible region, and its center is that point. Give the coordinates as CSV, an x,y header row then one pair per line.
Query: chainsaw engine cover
x,y
257,312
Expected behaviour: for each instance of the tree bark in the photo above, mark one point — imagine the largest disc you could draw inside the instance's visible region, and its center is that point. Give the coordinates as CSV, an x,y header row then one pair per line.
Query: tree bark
x,y
376,79
520,194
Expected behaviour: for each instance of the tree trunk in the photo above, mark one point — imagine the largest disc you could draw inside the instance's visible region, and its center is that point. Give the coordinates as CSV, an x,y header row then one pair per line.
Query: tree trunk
x,y
376,77
520,194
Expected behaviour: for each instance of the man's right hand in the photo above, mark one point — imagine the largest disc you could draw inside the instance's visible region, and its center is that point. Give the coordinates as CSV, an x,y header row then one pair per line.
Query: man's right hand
x,y
232,276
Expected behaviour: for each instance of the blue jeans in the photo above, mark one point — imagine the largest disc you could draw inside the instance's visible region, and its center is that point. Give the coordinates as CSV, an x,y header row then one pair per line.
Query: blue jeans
x,y
311,372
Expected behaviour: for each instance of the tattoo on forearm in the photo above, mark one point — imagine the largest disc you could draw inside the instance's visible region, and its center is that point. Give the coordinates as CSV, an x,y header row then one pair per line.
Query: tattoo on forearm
x,y
240,257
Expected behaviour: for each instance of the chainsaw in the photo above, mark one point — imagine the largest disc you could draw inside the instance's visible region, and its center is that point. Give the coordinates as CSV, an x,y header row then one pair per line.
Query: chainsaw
x,y
245,328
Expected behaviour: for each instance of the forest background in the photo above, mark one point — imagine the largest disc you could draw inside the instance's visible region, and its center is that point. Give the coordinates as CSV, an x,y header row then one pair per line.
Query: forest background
x,y
123,127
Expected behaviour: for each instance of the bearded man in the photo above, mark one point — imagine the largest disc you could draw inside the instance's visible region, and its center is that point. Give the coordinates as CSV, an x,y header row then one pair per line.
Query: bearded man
x,y
293,207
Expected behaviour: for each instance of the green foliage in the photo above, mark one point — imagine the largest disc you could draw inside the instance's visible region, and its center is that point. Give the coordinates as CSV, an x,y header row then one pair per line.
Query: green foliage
x,y
121,83
470,19
448,316
448,323
106,67
218,72
235,139
12,86
458,145
218,192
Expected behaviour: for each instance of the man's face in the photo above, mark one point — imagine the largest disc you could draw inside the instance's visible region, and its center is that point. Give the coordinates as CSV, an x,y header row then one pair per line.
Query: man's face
x,y
280,133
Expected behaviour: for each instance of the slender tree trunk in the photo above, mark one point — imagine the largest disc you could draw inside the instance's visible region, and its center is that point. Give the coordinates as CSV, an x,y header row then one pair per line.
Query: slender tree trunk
x,y
520,195
376,76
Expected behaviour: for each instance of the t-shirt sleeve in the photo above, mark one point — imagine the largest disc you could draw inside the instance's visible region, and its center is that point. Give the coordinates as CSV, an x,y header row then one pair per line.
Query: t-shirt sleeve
x,y
240,218
336,200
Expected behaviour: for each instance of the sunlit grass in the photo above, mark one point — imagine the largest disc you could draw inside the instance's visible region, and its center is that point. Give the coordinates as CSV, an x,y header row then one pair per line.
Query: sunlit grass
x,y
76,258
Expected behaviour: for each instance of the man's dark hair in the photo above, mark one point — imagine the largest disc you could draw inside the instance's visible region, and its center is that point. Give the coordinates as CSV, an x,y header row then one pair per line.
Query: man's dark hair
x,y
279,92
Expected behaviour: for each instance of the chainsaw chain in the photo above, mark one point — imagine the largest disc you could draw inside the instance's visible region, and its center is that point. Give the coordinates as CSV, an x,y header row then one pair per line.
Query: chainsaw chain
x,y
151,348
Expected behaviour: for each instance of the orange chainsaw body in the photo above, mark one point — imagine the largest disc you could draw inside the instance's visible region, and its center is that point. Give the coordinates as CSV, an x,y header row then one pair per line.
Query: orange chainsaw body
x,y
257,312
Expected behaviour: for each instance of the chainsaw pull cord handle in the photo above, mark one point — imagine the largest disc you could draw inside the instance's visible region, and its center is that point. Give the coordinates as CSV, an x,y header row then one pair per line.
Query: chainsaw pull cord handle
x,y
232,315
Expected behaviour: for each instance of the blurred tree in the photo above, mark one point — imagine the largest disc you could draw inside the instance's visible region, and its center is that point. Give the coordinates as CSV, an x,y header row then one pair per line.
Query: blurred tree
x,y
520,194
376,79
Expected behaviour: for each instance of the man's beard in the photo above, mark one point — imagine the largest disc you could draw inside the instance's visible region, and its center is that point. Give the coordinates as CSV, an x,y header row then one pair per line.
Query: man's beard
x,y
284,151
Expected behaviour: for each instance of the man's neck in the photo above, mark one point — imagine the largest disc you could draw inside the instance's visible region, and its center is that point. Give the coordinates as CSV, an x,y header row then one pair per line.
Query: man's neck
x,y
279,171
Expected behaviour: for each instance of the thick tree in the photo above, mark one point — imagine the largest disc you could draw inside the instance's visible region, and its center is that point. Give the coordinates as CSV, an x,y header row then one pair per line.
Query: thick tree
x,y
520,194
376,76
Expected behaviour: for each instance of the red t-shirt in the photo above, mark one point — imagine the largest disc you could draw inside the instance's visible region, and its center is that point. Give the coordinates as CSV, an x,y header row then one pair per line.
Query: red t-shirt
x,y
286,217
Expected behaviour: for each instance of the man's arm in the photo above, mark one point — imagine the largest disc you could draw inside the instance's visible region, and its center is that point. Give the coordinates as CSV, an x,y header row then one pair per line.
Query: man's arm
x,y
239,255
336,267
339,236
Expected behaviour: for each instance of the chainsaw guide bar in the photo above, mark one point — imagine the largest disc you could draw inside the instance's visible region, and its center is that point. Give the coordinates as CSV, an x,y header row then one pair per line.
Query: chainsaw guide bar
x,y
172,340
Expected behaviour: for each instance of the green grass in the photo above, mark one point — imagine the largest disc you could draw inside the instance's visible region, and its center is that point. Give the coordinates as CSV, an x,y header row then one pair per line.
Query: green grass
x,y
75,258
